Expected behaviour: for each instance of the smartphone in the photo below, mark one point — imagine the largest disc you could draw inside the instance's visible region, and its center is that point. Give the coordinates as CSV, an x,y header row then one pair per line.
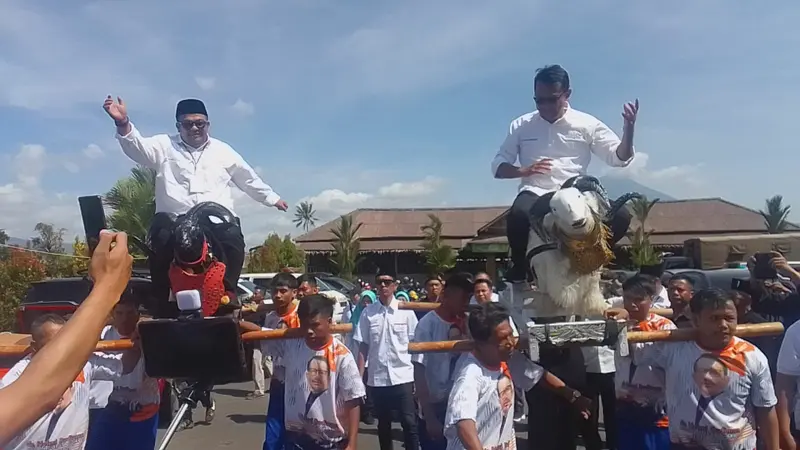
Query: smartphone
x,y
94,219
763,269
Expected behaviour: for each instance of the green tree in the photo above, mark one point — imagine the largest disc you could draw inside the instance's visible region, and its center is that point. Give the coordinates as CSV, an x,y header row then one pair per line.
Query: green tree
x,y
775,214
50,240
642,251
439,257
79,263
346,247
305,216
133,202
275,255
3,242
16,275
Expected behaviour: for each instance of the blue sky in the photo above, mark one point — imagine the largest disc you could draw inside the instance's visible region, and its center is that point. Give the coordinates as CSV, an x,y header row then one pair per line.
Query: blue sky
x,y
354,104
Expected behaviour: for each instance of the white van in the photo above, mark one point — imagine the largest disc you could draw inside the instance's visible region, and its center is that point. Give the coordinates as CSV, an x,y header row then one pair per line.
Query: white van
x,y
263,280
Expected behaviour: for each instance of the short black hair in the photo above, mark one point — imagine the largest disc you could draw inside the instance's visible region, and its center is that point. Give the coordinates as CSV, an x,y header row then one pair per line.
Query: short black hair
x,y
39,322
553,74
640,285
284,279
681,277
433,278
484,281
307,278
485,318
709,299
462,281
739,296
315,305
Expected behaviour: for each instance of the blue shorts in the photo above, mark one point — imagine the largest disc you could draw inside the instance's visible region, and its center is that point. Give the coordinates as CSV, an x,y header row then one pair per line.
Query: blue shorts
x,y
636,437
111,427
273,439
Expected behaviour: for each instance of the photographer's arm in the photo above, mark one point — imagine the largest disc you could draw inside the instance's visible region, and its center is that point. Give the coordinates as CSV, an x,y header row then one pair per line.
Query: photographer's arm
x,y
44,381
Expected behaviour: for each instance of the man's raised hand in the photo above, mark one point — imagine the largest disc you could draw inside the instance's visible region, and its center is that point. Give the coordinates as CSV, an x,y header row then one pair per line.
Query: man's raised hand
x,y
282,205
629,112
111,263
115,110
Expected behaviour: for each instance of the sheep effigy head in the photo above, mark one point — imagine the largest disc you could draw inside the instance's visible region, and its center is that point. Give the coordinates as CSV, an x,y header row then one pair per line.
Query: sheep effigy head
x,y
573,212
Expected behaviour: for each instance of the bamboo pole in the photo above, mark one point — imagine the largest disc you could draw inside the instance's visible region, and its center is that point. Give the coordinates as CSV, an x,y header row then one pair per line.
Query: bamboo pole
x,y
686,334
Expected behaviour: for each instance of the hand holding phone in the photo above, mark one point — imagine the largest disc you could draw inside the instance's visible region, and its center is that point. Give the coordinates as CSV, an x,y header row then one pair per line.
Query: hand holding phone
x,y
764,269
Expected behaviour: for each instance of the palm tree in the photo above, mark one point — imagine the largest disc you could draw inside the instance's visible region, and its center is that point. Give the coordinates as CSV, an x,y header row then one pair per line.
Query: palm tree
x,y
133,201
346,247
304,216
775,214
642,251
439,257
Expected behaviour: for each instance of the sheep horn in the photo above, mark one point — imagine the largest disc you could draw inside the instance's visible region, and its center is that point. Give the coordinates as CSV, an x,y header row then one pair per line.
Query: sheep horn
x,y
586,183
620,202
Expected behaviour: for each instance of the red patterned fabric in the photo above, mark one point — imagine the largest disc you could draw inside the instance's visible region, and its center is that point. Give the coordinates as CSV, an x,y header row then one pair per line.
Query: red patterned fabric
x,y
210,284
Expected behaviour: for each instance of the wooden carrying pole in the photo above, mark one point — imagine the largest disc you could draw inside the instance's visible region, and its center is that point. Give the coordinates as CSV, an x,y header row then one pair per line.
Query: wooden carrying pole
x,y
685,334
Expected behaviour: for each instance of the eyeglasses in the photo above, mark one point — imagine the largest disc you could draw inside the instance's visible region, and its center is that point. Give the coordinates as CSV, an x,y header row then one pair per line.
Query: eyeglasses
x,y
548,100
386,282
318,372
188,124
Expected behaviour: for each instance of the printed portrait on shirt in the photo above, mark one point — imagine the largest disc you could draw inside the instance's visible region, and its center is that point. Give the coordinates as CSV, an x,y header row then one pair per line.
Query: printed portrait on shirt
x,y
281,325
318,373
454,334
711,377
505,394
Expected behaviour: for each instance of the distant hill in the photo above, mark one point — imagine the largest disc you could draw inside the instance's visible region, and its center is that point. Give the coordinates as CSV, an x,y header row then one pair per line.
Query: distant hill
x,y
616,186
17,242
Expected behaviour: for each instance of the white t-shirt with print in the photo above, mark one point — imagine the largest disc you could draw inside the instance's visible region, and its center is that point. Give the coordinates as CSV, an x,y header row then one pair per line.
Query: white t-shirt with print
x,y
640,389
789,362
486,396
65,427
712,394
439,367
135,389
273,321
318,383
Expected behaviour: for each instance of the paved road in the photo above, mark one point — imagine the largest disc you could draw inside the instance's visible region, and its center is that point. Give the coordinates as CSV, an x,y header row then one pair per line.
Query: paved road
x,y
239,424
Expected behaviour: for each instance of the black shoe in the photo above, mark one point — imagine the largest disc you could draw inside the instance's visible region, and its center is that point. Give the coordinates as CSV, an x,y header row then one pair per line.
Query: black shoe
x,y
367,419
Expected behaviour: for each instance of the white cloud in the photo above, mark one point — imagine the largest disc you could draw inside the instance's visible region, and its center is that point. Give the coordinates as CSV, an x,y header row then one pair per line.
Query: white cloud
x,y
243,108
205,83
71,167
410,190
682,181
29,164
93,151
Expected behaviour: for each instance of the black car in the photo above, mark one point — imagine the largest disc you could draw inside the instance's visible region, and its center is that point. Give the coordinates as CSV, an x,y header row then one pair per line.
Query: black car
x,y
705,279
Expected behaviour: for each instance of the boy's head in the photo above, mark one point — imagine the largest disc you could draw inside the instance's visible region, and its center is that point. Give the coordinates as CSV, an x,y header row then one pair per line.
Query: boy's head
x,y
125,316
637,294
307,285
284,289
680,289
743,302
433,286
316,316
483,290
457,292
44,328
491,331
715,317
386,284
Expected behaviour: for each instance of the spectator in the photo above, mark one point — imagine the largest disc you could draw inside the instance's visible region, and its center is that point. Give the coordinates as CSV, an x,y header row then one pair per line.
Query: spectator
x,y
383,333
680,289
306,285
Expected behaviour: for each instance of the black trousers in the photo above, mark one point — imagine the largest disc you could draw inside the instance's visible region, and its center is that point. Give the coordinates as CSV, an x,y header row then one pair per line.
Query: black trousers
x,y
553,423
600,387
518,226
398,398
162,243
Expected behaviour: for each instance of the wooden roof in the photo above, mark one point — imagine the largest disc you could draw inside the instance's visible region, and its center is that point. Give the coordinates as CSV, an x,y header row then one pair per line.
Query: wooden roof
x,y
671,223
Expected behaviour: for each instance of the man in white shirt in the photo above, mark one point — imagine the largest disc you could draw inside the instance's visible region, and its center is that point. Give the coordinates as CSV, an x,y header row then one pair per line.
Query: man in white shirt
x,y
553,144
383,334
191,168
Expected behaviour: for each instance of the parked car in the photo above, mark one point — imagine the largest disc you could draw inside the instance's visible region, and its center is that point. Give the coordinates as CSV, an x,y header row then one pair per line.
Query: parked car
x,y
704,279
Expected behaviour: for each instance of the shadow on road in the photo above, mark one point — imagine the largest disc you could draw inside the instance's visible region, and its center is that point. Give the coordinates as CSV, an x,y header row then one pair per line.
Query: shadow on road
x,y
248,418
238,393
397,434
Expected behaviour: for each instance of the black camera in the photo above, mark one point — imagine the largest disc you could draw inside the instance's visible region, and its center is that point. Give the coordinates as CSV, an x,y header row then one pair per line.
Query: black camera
x,y
207,349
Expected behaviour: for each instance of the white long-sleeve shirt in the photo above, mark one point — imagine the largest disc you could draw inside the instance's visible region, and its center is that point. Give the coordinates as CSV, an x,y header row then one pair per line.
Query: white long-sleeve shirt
x,y
570,141
188,176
